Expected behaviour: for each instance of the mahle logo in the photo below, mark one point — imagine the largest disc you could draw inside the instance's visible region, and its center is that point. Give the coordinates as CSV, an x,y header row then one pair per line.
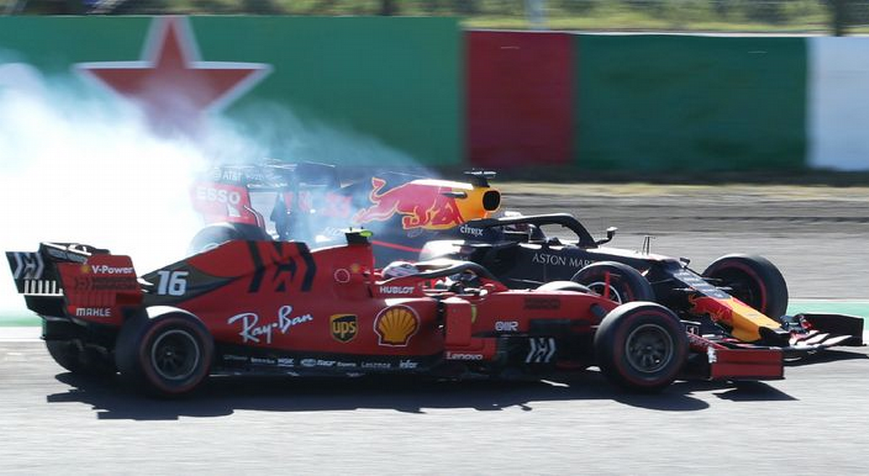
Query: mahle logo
x,y
343,327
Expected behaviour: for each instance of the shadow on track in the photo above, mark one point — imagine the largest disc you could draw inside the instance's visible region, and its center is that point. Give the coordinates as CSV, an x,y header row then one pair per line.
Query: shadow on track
x,y
222,396
828,355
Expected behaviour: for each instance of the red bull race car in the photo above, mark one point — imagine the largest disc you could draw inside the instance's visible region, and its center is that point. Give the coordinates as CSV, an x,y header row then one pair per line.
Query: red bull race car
x,y
280,308
307,202
736,299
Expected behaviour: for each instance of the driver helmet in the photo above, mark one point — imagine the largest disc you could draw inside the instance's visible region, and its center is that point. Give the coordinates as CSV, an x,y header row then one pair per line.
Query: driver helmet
x,y
398,269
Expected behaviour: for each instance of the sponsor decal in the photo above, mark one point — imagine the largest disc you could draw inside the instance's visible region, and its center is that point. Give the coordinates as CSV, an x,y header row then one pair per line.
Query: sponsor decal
x,y
106,269
558,260
724,311
420,205
376,365
230,175
711,355
263,361
234,358
463,356
343,327
64,255
541,350
309,362
395,326
506,326
471,230
342,276
219,195
27,265
542,303
93,312
286,362
408,364
700,284
106,283
253,331
397,289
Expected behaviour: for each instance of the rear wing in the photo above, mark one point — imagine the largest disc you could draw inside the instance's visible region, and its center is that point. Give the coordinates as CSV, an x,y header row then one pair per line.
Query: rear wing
x,y
75,281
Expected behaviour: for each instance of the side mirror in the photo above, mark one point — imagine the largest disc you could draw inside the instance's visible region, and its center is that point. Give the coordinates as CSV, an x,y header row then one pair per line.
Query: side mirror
x,y
610,234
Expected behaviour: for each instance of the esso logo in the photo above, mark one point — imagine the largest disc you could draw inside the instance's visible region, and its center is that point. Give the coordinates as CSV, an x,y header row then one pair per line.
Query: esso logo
x,y
209,194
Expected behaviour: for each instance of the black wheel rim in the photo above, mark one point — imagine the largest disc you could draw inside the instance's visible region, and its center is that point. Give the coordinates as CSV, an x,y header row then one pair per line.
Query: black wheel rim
x,y
175,355
600,287
649,348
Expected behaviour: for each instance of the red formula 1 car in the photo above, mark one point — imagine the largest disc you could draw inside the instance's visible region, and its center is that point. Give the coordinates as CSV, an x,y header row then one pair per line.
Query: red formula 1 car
x,y
279,308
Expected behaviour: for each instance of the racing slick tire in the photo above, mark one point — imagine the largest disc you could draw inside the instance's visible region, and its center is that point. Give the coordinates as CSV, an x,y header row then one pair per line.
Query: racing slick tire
x,y
753,280
641,346
79,361
564,286
214,235
626,284
166,356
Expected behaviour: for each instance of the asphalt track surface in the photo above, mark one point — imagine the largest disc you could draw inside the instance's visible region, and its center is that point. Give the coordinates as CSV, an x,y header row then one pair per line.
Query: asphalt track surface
x,y
813,422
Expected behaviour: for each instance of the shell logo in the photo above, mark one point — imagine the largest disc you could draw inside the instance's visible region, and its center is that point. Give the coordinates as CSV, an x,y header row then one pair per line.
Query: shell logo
x,y
395,326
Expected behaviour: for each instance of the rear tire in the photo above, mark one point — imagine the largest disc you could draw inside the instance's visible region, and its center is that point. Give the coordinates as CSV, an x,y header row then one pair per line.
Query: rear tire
x,y
626,284
167,356
753,280
68,355
215,235
641,346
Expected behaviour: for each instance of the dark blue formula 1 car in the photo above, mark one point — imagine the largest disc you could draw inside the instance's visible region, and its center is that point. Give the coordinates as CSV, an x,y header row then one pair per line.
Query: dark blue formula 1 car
x,y
738,298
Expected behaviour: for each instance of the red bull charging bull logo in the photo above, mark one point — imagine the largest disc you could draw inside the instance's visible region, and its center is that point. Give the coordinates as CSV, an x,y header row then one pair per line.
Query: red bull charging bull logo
x,y
421,204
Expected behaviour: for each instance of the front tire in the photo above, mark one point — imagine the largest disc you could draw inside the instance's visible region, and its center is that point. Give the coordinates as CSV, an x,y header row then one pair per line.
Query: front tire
x,y
753,280
617,281
169,355
564,286
641,346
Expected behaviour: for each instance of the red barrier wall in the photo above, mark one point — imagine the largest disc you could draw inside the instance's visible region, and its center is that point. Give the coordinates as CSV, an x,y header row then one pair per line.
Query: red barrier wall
x,y
519,98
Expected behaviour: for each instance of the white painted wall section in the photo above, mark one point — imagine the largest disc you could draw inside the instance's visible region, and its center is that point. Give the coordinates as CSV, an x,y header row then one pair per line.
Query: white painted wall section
x,y
838,103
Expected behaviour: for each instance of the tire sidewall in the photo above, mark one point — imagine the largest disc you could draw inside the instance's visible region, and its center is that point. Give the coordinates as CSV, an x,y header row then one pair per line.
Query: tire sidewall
x,y
627,281
762,275
136,345
611,340
564,286
65,354
216,234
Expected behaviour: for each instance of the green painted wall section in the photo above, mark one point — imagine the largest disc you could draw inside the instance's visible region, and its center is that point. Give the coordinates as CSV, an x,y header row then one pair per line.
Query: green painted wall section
x,y
659,103
52,44
398,80
381,81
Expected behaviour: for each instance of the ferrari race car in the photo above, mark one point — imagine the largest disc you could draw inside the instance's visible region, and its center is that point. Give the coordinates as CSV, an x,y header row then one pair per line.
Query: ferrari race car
x,y
306,202
737,298
273,307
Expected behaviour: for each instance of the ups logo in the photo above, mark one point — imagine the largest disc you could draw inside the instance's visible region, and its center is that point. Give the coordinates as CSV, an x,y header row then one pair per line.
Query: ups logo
x,y
343,327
